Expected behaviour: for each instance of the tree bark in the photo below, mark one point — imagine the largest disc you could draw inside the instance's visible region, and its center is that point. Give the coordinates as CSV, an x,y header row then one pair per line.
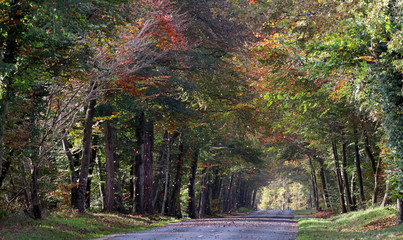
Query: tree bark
x,y
314,185
36,204
174,208
119,179
110,169
400,211
3,173
90,172
86,157
345,176
376,182
358,167
73,174
148,167
338,177
203,193
101,184
323,182
228,204
192,185
139,164
254,198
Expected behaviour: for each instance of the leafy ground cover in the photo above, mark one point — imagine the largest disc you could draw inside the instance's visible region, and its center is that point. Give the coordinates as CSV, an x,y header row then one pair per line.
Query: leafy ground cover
x,y
373,223
76,226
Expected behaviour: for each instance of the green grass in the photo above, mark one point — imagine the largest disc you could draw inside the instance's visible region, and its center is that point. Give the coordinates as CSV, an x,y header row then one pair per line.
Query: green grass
x,y
75,226
305,212
349,226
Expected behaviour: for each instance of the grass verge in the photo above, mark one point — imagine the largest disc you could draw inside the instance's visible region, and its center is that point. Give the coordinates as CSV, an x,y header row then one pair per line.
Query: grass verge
x,y
373,223
76,226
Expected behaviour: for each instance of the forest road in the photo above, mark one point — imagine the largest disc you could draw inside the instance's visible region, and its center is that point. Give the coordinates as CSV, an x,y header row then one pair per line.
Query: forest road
x,y
262,225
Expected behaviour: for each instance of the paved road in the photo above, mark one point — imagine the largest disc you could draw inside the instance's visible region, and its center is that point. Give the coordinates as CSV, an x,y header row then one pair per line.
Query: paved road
x,y
267,225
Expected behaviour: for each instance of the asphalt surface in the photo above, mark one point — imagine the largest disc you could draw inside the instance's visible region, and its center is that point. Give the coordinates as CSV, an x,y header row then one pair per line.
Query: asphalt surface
x,y
267,225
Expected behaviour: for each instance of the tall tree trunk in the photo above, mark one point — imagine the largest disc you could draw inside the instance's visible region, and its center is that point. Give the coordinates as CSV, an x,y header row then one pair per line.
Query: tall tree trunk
x,y
254,198
36,204
358,167
73,174
101,182
238,191
24,181
385,196
3,173
338,177
376,182
229,204
166,171
345,176
323,182
159,177
119,179
133,181
110,168
148,167
352,187
174,208
368,150
314,185
86,157
90,172
192,185
400,211
375,167
139,165
203,193
170,139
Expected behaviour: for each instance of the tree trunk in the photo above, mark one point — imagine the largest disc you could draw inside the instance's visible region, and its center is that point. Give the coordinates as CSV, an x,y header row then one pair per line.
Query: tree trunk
x,y
110,169
174,208
368,150
73,174
192,185
203,193
254,199
229,204
119,179
400,211
27,194
86,157
385,196
148,167
90,172
236,192
3,173
159,177
323,182
376,182
358,167
352,187
345,176
314,185
139,165
101,184
36,204
338,177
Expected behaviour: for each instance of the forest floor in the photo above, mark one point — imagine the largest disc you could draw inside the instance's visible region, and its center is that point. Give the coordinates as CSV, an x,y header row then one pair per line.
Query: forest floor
x,y
373,223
